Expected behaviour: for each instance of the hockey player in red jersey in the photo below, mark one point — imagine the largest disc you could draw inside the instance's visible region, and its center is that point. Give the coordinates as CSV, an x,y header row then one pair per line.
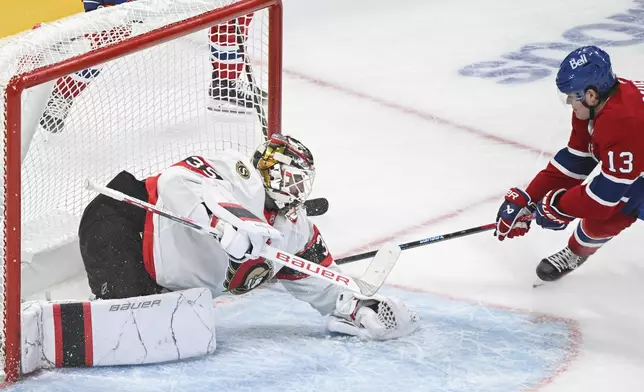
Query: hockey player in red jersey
x,y
607,128
69,87
227,89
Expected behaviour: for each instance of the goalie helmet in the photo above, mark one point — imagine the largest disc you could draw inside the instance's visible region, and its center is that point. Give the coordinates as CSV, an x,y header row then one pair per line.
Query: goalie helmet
x,y
287,170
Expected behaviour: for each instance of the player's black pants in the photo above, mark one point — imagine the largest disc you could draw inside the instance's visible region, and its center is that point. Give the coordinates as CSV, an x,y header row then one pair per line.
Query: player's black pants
x,y
111,244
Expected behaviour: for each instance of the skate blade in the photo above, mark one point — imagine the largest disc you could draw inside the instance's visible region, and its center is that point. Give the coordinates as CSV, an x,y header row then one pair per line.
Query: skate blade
x,y
538,283
228,108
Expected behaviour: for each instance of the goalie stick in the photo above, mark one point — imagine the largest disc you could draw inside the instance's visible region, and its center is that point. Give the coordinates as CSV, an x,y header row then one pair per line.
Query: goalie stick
x,y
368,284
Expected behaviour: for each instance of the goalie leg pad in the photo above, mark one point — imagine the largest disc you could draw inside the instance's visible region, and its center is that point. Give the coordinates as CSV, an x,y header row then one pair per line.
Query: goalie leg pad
x,y
130,331
372,318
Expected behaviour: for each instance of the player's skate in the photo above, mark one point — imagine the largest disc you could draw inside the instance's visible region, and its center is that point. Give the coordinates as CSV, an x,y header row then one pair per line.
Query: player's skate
x,y
53,118
556,266
232,96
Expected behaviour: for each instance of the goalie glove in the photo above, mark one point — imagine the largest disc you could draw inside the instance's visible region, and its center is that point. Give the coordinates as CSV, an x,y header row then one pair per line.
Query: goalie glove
x,y
246,242
244,234
372,318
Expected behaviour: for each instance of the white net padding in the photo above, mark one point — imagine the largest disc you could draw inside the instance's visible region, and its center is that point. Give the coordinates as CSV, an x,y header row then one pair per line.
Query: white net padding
x,y
141,112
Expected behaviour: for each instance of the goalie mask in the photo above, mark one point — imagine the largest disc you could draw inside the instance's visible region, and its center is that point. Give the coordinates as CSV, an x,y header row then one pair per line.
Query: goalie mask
x,y
287,170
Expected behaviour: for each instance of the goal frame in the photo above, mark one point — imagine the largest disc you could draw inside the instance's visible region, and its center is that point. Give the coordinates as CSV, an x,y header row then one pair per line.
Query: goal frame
x,y
12,137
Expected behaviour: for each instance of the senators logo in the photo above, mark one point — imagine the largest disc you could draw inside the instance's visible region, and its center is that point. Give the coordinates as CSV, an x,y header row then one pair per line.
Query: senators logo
x,y
243,277
242,170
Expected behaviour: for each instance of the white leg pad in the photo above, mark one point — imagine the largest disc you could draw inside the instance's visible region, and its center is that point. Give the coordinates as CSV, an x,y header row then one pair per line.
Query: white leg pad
x,y
131,331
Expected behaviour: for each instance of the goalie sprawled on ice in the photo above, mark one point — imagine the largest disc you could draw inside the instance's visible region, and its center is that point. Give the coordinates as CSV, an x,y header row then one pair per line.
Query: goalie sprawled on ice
x,y
158,276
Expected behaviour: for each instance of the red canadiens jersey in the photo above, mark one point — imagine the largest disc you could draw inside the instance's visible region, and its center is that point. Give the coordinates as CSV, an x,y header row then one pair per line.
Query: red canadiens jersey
x,y
614,139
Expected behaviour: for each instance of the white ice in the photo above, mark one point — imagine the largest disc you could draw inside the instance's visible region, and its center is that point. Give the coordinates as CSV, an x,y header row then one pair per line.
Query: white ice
x,y
406,148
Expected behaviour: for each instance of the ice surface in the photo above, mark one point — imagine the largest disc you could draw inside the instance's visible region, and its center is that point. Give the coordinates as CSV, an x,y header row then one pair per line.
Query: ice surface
x,y
269,341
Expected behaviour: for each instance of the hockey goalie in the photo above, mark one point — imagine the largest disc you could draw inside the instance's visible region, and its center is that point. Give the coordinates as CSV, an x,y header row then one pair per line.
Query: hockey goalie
x,y
154,278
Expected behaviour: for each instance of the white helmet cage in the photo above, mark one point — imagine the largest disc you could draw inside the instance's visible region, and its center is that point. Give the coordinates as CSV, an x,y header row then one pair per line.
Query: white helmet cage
x,y
287,170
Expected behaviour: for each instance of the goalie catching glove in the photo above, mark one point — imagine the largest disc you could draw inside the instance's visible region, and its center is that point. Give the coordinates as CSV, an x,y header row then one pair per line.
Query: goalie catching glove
x,y
372,318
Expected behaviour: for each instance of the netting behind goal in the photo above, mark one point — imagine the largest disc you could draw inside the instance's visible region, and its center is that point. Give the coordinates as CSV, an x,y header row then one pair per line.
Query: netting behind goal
x,y
133,87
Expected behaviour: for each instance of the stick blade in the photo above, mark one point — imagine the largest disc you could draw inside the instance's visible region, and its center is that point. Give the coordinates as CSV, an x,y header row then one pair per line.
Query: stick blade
x,y
379,269
316,207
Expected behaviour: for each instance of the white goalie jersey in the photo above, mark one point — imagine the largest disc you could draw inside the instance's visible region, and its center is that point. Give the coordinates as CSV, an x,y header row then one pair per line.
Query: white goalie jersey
x,y
179,258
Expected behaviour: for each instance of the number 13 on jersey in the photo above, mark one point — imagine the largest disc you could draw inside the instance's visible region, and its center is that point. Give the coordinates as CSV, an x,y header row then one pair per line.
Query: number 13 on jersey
x,y
622,162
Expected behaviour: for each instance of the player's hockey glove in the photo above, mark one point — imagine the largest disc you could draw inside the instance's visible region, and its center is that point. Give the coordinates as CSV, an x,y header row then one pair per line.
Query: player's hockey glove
x,y
509,224
548,215
372,318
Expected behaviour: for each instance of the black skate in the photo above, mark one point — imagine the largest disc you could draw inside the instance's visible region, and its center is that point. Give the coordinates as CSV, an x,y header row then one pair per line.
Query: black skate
x,y
234,96
560,264
56,111
228,96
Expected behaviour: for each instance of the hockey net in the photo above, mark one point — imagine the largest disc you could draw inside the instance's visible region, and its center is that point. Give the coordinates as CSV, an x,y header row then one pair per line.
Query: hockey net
x,y
136,84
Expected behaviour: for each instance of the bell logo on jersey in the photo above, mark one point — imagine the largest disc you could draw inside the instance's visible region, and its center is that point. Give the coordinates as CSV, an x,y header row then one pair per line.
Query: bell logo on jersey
x,y
574,63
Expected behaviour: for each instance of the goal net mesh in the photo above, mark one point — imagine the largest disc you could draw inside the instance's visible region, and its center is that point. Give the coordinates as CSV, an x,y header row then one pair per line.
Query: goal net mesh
x,y
194,95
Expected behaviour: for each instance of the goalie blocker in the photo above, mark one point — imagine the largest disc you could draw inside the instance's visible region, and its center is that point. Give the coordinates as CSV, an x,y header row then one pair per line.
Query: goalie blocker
x,y
131,331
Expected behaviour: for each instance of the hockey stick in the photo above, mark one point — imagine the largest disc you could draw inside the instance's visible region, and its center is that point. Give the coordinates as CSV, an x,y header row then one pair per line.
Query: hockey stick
x,y
255,91
430,240
368,284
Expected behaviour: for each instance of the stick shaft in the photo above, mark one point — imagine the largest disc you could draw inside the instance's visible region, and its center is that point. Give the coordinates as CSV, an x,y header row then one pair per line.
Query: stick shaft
x,y
424,241
435,239
248,68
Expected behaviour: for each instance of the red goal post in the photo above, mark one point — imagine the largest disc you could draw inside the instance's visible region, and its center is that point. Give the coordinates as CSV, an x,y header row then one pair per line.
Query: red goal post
x,y
14,160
